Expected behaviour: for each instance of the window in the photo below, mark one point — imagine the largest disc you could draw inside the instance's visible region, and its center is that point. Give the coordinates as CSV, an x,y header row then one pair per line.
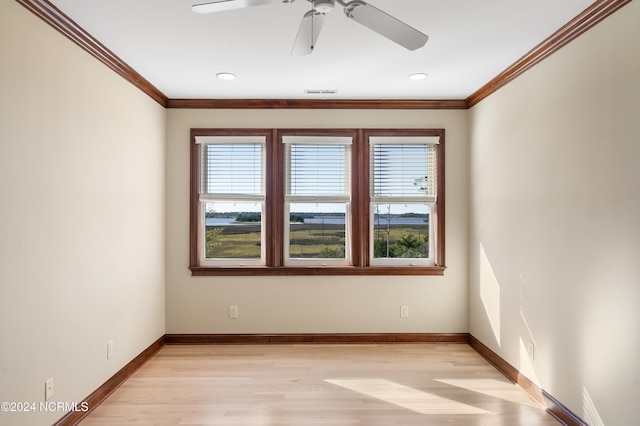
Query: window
x,y
402,192
317,201
231,200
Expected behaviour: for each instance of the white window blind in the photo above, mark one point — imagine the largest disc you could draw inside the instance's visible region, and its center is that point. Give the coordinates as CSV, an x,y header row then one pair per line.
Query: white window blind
x,y
403,168
233,171
318,169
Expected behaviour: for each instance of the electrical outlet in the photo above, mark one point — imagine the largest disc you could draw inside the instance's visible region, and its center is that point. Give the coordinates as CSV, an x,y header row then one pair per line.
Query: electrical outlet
x,y
404,311
48,389
109,349
233,312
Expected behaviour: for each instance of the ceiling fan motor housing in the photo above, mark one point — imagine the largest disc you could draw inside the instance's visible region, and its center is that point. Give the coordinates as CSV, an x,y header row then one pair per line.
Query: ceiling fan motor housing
x,y
323,6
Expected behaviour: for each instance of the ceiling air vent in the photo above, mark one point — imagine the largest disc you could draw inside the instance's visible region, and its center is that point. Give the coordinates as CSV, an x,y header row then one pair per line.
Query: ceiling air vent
x,y
321,92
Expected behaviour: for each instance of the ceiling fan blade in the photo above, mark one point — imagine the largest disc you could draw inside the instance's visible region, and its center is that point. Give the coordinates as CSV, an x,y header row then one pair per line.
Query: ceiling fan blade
x,y
222,5
385,24
308,33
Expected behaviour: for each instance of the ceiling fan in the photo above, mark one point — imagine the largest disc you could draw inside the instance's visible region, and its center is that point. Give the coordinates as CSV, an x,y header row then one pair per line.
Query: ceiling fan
x,y
312,21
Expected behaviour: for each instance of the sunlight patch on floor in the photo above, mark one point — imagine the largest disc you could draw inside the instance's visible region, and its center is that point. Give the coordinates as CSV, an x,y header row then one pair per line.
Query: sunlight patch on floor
x,y
406,397
494,388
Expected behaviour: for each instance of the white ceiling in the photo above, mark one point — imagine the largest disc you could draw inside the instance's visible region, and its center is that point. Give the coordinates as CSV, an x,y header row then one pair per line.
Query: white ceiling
x,y
180,52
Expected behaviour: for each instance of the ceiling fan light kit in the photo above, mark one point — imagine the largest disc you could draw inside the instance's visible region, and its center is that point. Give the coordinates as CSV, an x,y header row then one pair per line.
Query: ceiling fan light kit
x,y
312,21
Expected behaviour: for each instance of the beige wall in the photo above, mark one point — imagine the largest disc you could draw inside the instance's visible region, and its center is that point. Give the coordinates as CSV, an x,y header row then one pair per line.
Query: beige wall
x,y
82,217
555,238
307,304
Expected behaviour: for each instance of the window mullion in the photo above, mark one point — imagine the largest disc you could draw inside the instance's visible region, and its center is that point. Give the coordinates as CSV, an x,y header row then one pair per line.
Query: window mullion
x,y
360,200
275,200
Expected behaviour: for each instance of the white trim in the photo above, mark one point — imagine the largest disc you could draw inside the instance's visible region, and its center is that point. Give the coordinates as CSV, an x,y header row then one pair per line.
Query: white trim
x,y
404,200
404,140
232,262
220,140
232,197
293,261
401,261
317,140
318,198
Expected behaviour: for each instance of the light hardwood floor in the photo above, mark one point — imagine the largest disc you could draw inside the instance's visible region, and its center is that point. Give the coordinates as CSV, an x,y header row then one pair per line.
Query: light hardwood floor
x,y
396,384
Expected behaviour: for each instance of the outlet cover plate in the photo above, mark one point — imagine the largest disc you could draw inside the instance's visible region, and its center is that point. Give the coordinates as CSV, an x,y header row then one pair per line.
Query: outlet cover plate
x,y
48,389
233,312
404,311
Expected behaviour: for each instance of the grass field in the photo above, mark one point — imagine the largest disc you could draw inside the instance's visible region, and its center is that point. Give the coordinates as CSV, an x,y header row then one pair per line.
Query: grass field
x,y
316,241
234,242
306,240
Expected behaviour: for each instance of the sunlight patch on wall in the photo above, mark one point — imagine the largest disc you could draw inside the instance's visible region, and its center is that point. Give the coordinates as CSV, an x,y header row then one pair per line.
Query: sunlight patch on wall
x,y
490,293
406,397
504,389
590,415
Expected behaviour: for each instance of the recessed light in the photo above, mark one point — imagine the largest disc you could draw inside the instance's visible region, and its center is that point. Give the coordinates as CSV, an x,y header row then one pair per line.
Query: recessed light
x,y
226,76
418,76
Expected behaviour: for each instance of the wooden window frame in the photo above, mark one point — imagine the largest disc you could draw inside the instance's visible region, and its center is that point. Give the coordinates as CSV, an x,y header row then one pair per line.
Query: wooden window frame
x,y
274,205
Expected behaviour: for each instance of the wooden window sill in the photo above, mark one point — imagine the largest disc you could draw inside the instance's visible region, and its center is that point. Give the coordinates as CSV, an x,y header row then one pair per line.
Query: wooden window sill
x,y
316,270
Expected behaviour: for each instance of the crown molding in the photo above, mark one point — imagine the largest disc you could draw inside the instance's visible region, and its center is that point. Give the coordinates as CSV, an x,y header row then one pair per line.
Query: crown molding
x,y
317,103
592,15
69,28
